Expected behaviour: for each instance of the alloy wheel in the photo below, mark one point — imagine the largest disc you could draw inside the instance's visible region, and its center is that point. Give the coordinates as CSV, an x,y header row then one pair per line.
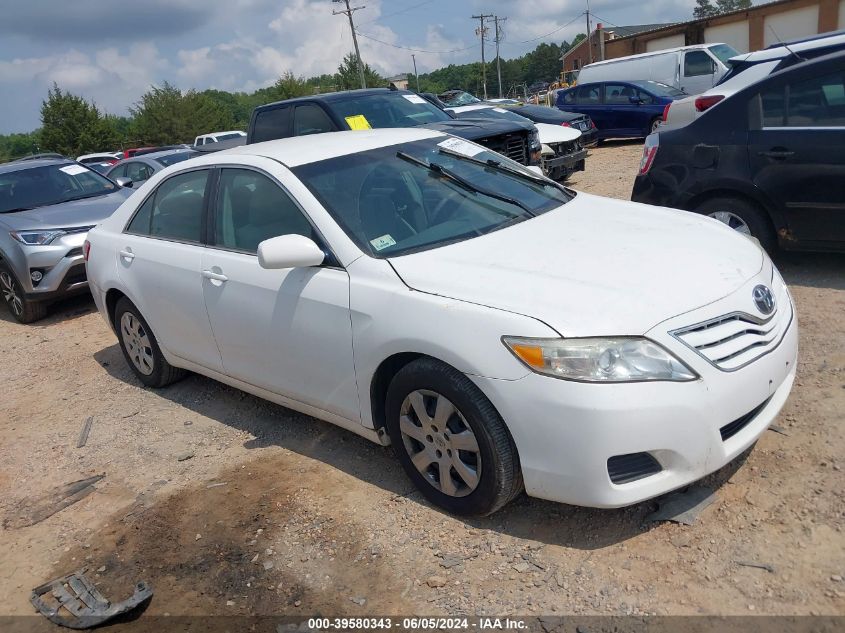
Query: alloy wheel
x,y
137,343
10,293
732,220
440,443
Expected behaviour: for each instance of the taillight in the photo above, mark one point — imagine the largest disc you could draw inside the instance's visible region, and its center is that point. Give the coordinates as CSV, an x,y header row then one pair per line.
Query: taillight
x,y
706,102
652,143
566,124
593,124
86,249
666,112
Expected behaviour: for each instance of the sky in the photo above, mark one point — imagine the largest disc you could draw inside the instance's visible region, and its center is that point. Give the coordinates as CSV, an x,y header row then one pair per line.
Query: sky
x,y
111,52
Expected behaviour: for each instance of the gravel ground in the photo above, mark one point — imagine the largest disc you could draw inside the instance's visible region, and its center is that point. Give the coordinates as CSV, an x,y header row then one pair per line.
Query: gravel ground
x,y
230,505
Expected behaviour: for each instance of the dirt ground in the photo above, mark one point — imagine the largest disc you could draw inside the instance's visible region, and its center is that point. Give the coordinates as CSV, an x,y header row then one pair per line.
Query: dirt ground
x,y
230,505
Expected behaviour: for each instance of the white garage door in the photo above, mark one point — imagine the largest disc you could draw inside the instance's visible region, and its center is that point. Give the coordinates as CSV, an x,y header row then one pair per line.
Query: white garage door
x,y
734,34
791,25
672,41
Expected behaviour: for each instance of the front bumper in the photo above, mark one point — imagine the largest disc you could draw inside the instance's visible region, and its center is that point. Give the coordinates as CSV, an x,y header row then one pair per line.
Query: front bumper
x,y
566,432
558,166
61,264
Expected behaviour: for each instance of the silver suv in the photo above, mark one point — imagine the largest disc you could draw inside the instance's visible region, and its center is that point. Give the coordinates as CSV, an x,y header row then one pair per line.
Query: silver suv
x,y
46,209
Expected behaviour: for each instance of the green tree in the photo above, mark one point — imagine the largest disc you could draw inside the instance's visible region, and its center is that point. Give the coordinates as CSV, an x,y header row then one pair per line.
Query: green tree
x,y
14,146
72,126
347,77
165,115
707,9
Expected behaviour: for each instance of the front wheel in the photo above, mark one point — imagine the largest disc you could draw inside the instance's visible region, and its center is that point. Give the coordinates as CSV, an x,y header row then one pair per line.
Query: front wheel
x,y
140,347
743,217
24,310
450,439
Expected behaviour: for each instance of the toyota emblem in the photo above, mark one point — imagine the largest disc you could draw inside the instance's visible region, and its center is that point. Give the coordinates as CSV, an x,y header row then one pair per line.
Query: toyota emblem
x,y
763,299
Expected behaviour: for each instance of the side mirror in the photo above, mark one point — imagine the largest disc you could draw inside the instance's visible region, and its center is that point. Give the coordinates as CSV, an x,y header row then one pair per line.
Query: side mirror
x,y
124,182
289,251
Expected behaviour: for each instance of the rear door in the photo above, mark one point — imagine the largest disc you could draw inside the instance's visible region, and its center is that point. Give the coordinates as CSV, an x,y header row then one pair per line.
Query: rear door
x,y
796,148
621,113
588,101
698,71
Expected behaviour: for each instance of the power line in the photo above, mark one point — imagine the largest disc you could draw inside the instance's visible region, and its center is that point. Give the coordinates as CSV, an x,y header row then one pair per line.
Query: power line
x,y
415,50
390,15
348,13
534,39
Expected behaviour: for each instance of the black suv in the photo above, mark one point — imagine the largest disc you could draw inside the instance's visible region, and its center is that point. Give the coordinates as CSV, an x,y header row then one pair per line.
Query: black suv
x,y
384,108
768,161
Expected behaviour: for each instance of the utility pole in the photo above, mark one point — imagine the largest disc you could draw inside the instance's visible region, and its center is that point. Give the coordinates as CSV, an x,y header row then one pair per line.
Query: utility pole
x,y
589,35
414,57
348,13
481,30
496,19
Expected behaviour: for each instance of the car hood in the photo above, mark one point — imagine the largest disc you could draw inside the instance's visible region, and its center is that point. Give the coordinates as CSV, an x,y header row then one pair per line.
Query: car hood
x,y
472,129
592,267
556,133
86,212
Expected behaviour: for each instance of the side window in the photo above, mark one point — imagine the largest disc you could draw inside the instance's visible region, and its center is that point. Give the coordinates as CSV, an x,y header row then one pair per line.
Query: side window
x,y
271,124
137,171
618,94
140,224
589,94
199,141
310,119
118,172
569,96
178,206
812,102
252,208
643,96
697,63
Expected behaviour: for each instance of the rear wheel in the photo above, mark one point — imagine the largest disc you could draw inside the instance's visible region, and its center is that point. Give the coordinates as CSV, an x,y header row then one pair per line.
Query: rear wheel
x,y
24,310
743,217
140,348
655,125
450,439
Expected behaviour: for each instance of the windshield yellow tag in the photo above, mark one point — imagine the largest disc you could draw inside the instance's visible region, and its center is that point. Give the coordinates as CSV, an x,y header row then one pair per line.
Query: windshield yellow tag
x,y
358,122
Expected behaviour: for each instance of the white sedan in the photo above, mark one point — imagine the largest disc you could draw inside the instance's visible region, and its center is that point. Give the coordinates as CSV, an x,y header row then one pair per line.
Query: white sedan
x,y
499,330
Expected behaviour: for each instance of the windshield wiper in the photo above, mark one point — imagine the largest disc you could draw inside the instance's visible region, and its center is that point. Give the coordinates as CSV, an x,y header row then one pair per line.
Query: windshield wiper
x,y
465,184
499,166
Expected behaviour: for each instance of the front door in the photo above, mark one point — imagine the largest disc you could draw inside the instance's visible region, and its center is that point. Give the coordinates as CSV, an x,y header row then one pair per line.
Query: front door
x,y
159,260
699,72
796,154
288,331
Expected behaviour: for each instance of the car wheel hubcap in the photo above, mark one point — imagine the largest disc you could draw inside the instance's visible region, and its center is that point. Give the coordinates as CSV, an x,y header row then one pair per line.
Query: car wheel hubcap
x,y
137,343
10,293
732,220
440,443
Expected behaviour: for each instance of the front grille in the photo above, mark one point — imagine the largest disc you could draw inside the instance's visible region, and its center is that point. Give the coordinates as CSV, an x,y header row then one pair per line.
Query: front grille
x,y
514,146
732,341
624,469
729,430
569,147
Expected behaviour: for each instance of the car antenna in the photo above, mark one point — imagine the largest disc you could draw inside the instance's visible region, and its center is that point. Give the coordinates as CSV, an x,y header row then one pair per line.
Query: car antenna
x,y
786,46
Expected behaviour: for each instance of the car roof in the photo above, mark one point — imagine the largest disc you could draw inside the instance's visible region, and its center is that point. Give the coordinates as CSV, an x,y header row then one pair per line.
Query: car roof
x,y
165,152
337,96
20,165
302,150
784,49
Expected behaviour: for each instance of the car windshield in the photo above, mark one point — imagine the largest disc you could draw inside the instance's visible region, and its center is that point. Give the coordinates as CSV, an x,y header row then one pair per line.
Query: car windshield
x,y
659,89
51,184
458,98
723,52
176,157
416,196
388,110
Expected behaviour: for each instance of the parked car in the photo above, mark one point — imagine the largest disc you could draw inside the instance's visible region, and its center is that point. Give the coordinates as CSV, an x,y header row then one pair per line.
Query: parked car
x,y
692,69
561,149
386,108
205,139
620,108
768,161
505,329
138,169
103,157
750,68
129,153
46,209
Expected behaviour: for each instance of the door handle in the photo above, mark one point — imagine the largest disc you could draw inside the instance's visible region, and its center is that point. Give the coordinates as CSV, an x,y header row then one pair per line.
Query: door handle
x,y
127,254
209,274
778,154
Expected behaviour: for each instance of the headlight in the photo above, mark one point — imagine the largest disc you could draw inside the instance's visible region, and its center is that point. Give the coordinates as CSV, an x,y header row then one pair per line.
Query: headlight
x,y
622,359
36,238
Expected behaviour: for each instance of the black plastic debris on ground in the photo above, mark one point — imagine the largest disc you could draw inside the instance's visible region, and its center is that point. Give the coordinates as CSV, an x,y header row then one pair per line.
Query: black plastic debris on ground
x,y
30,511
683,506
74,602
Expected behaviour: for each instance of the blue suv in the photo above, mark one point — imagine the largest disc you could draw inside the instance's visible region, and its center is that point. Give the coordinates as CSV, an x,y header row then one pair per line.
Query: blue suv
x,y
620,108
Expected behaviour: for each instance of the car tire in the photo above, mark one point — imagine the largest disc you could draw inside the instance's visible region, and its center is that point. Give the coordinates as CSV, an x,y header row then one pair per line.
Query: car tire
x,y
22,309
743,216
655,125
470,439
140,347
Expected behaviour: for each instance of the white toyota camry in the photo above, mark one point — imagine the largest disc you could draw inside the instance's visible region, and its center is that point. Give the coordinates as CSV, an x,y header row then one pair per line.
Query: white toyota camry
x,y
499,330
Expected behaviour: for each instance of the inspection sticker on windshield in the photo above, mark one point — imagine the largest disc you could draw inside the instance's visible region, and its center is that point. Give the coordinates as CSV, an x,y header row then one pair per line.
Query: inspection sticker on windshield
x,y
73,170
358,122
415,99
380,243
460,146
